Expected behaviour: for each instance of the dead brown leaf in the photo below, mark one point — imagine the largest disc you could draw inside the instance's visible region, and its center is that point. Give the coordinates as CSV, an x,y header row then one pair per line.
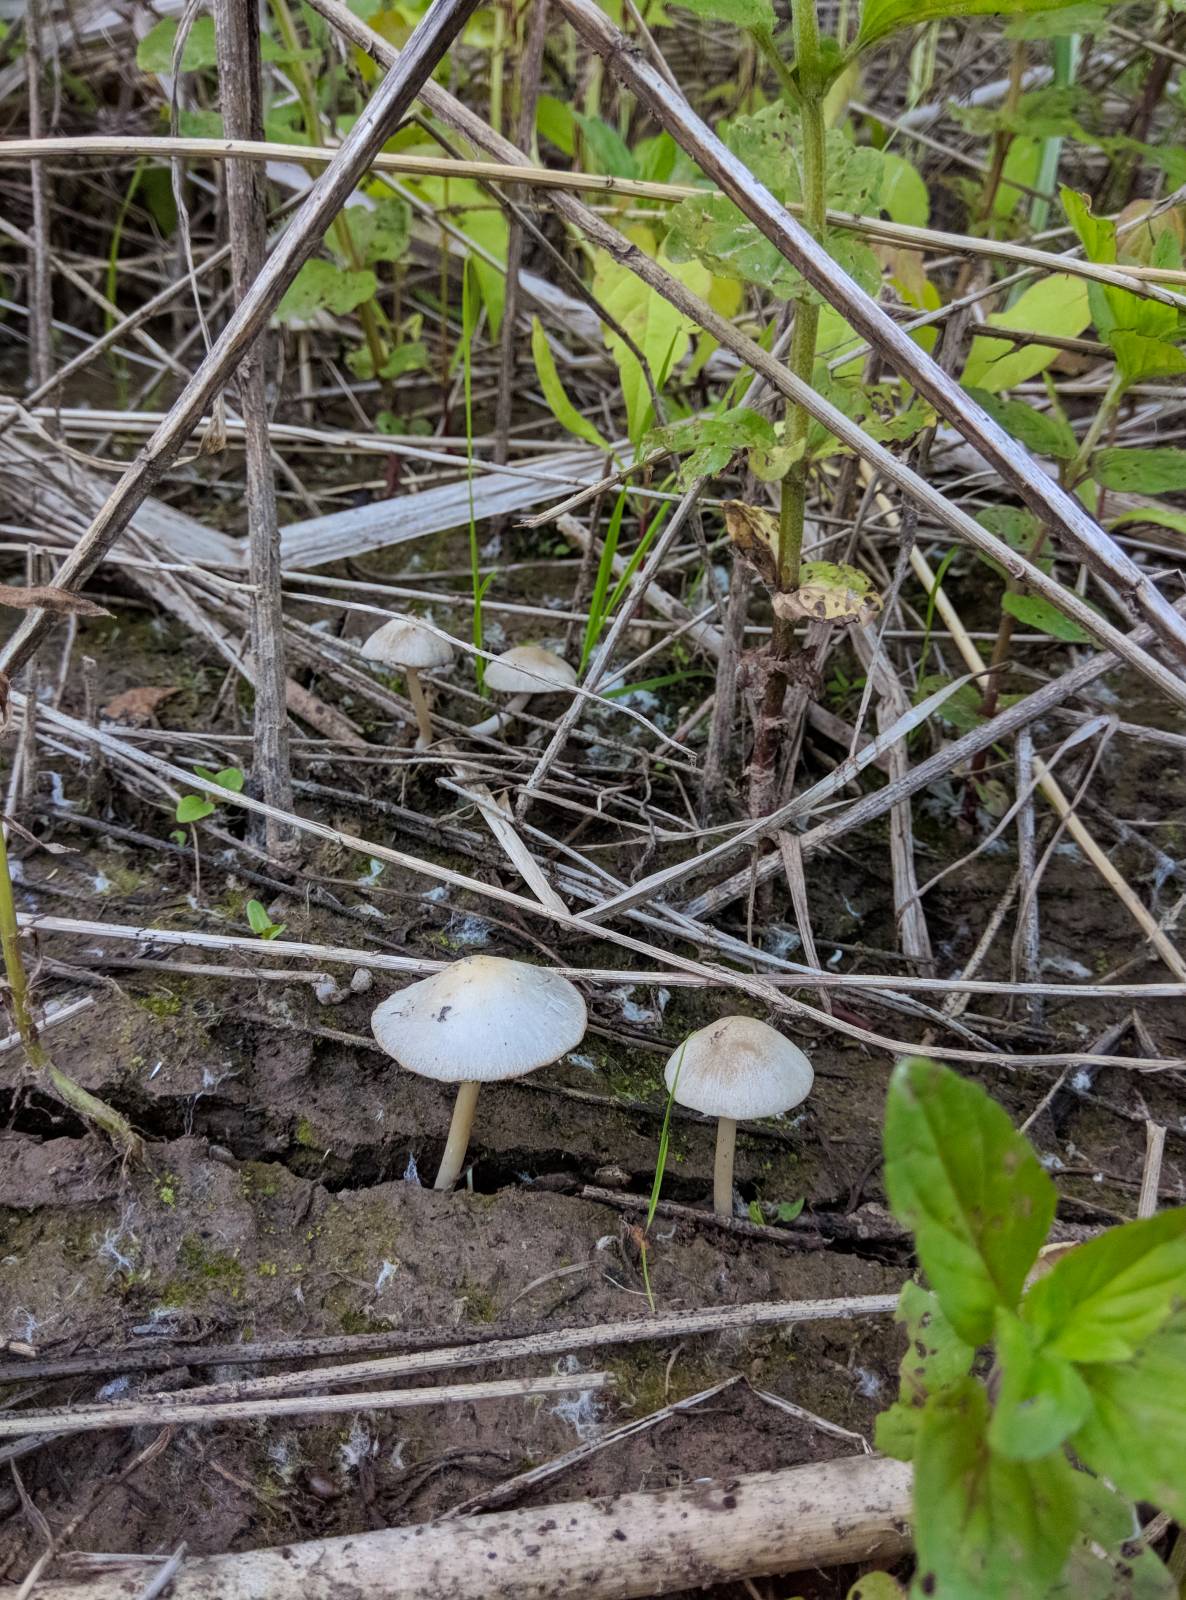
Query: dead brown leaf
x,y
138,706
44,597
754,532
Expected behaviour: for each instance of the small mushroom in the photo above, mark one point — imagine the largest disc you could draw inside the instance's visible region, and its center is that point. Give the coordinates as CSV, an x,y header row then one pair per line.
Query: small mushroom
x,y
526,670
409,647
480,1020
732,1070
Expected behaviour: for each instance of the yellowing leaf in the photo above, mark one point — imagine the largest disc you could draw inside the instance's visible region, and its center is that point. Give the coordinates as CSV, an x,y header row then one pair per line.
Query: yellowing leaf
x,y
659,331
831,592
1057,305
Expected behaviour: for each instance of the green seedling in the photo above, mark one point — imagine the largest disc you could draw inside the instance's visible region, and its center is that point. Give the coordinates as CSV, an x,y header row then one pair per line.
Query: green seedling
x,y
196,807
1035,1408
260,923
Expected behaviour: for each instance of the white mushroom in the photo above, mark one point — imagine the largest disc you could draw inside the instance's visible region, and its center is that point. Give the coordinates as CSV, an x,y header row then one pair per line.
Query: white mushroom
x,y
734,1069
480,1020
409,647
526,670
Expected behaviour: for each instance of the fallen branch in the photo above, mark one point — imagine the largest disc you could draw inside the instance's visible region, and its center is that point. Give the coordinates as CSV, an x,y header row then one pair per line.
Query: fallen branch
x,y
710,1532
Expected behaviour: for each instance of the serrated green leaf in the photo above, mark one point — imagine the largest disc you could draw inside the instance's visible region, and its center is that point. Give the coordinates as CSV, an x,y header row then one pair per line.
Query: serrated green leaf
x,y
748,14
561,406
1079,16
1041,1399
882,17
1040,431
935,1358
969,1187
1102,1300
320,286
1105,1562
193,807
710,442
1132,471
1037,613
1139,356
154,53
985,1528
1135,1435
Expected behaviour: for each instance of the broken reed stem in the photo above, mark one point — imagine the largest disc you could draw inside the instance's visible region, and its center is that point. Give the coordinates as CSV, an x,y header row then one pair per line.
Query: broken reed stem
x,y
237,36
52,1079
40,269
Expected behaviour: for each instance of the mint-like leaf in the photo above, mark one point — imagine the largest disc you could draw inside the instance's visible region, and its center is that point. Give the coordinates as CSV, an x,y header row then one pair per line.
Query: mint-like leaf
x,y
969,1187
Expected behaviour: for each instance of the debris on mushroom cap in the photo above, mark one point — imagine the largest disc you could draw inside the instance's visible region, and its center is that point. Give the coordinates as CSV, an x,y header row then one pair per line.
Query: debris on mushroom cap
x,y
739,1067
528,669
403,643
481,1019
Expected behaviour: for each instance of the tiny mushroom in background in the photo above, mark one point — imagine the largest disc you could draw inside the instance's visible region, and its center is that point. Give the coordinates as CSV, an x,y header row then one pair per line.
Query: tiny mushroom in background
x,y
410,648
735,1069
480,1020
521,672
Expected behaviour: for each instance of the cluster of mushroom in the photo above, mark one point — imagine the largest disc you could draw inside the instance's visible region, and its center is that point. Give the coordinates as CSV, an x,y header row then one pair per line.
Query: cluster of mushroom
x,y
485,1018
411,648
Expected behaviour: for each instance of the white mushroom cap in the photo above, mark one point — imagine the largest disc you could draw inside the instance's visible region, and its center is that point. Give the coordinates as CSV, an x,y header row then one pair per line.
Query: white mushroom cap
x,y
528,669
739,1067
481,1019
403,643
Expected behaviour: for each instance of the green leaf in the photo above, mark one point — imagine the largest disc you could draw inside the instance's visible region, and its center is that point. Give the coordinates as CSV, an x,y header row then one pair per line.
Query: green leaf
x,y
876,1586
320,286
193,807
970,1188
788,1210
1132,471
607,149
1079,16
1056,305
985,1528
178,835
710,442
1037,613
555,122
1041,1399
383,232
560,405
232,778
1136,1433
961,709
1040,431
1104,1563
903,194
936,1357
154,53
1139,357
1102,1300
1156,516
881,17
757,14
260,923
659,331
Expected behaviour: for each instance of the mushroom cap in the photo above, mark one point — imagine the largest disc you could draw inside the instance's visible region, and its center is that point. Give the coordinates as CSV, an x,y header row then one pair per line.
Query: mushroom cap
x,y
481,1019
739,1067
528,669
404,643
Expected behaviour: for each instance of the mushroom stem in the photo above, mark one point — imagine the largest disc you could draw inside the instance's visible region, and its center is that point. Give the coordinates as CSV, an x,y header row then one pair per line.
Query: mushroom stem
x,y
722,1171
491,725
458,1141
420,707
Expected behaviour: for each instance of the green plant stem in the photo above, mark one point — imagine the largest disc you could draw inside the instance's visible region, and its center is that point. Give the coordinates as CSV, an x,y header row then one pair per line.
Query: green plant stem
x,y
64,1088
1102,420
311,114
809,97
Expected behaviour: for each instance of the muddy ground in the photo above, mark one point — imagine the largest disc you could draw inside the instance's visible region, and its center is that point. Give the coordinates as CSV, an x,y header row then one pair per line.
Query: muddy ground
x,y
280,1195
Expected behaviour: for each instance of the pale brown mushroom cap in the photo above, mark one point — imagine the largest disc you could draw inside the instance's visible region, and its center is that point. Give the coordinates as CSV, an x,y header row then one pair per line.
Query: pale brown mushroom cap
x,y
739,1067
528,669
481,1019
402,643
